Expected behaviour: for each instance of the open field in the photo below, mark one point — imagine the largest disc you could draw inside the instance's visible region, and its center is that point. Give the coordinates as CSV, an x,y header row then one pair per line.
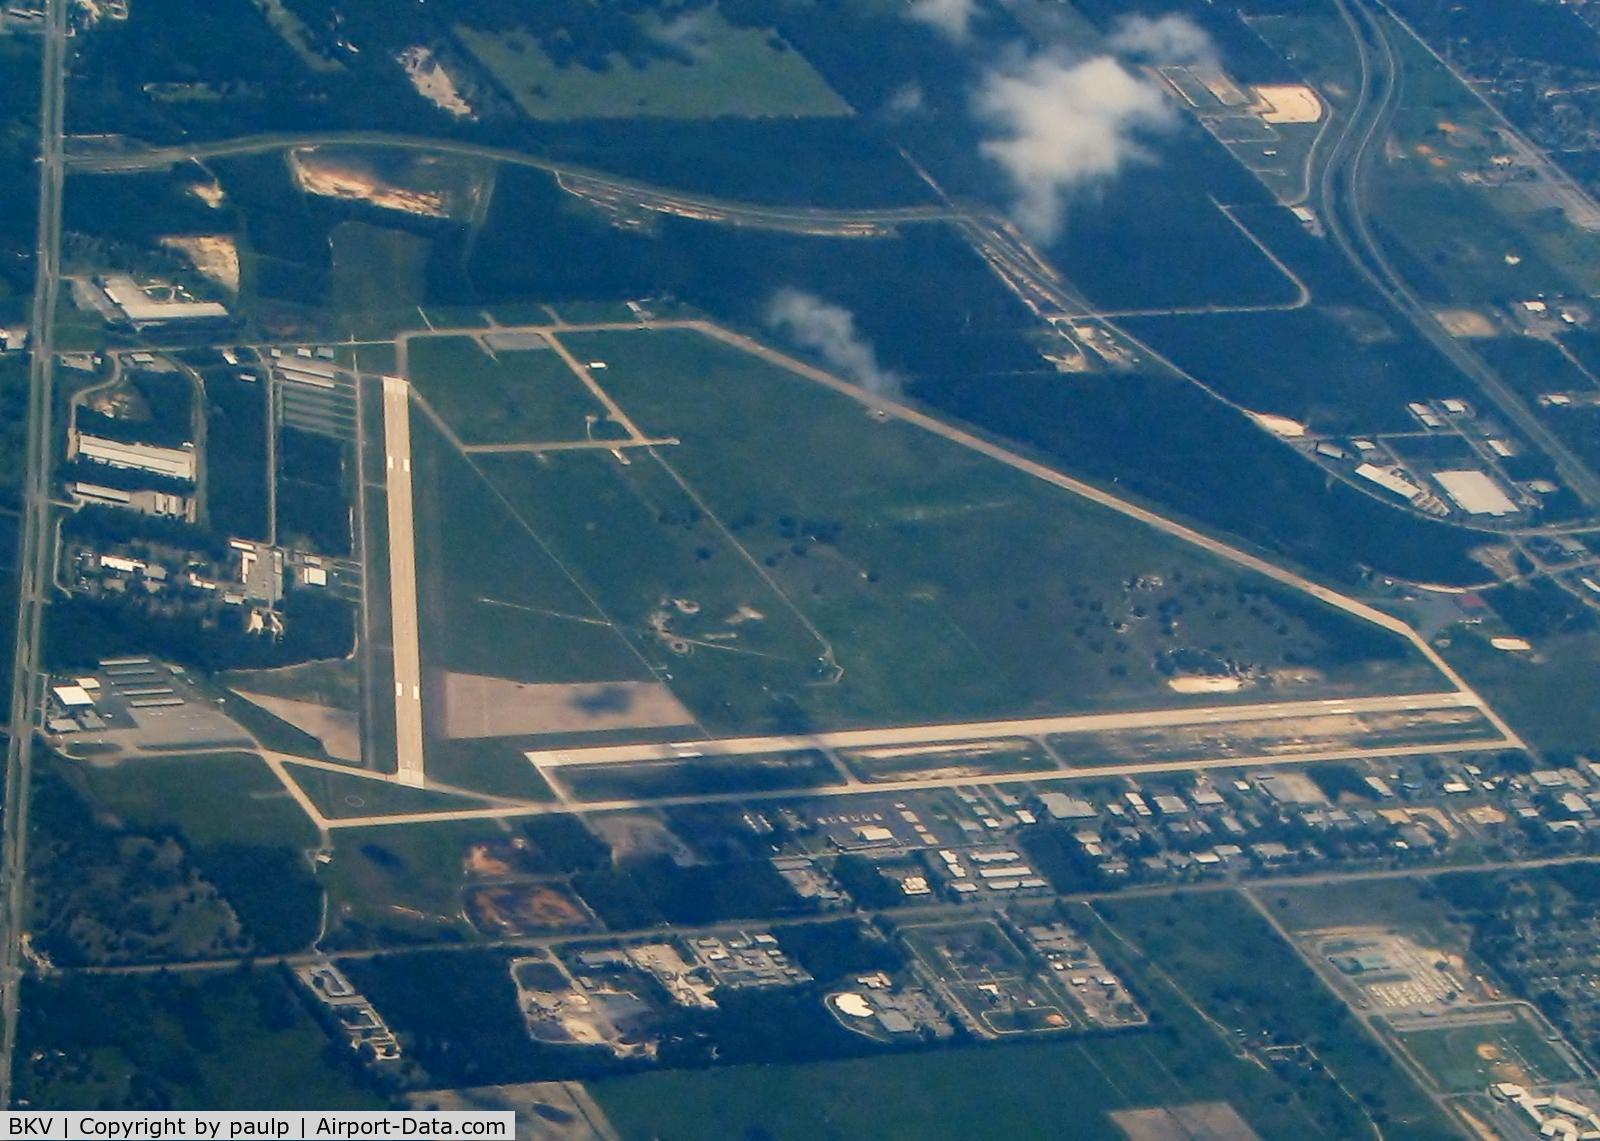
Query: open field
x,y
896,576
504,396
400,884
1225,955
1402,905
715,69
223,797
495,600
1533,693
339,794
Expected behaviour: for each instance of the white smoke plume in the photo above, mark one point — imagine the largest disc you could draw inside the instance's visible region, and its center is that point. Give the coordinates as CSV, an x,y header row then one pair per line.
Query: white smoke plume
x,y
1057,124
952,17
1170,40
830,331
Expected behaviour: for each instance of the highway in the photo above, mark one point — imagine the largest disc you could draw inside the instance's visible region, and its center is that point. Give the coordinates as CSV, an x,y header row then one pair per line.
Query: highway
x,y
1342,198
405,638
584,181
35,569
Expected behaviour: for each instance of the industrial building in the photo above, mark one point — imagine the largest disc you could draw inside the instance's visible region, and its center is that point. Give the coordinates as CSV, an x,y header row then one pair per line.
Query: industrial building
x,y
174,463
1475,493
146,502
137,305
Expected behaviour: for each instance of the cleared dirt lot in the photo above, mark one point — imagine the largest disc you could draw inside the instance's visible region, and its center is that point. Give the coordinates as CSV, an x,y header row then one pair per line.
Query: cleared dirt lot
x,y
476,706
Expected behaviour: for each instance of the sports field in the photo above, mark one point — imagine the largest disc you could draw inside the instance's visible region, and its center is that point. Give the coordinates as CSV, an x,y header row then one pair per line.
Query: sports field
x,y
1501,1046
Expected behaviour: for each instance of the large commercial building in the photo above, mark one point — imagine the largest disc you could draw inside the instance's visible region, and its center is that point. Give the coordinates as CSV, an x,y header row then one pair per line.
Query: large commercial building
x,y
174,463
136,304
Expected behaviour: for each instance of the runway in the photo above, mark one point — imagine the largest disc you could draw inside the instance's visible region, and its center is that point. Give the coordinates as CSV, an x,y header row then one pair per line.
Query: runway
x,y
991,730
403,582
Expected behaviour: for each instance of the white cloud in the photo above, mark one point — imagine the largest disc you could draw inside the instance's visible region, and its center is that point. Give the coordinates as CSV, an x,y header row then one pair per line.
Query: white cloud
x,y
952,17
1057,124
687,33
906,100
830,331
1166,40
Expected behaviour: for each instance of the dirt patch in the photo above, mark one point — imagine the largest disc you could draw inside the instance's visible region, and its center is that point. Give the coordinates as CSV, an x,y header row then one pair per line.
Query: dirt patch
x,y
1202,1121
633,835
333,178
338,730
212,255
493,859
433,82
1289,103
1466,323
1198,684
477,706
518,909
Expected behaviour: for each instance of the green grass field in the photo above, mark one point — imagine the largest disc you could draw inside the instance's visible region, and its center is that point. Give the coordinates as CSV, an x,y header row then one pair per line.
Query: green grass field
x,y
730,71
1403,904
1468,1058
494,766
338,796
222,798
336,684
400,882
379,277
495,600
1533,692
491,396
945,585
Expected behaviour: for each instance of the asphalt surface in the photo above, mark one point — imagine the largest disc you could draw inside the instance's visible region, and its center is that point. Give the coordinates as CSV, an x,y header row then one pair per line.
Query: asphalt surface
x,y
994,730
403,582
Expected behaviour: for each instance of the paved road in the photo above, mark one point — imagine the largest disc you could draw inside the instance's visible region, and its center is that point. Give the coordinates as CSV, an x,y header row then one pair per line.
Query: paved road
x,y
897,915
38,548
994,730
641,194
403,581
